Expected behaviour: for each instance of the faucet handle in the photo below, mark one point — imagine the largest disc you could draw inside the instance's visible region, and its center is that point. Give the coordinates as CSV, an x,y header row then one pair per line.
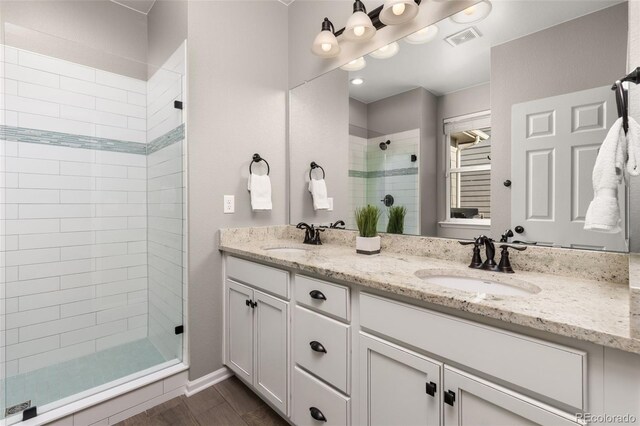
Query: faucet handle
x,y
476,260
505,263
477,241
504,238
515,247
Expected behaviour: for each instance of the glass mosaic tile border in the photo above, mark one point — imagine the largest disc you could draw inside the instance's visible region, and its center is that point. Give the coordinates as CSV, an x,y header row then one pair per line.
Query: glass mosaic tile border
x,y
46,137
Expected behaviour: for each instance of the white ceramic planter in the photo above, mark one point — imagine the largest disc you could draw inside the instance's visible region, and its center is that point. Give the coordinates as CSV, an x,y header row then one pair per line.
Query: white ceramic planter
x,y
368,245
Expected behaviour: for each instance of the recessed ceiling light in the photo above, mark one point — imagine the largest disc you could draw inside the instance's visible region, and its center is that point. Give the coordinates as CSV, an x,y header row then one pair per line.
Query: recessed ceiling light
x,y
473,13
355,65
357,81
386,52
424,35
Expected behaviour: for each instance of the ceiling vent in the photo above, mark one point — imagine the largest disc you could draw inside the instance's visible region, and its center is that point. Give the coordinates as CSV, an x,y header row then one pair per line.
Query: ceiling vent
x,y
463,36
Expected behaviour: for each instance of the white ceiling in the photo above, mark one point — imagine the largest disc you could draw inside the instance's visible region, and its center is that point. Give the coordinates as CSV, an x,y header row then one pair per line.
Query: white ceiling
x,y
142,6
442,68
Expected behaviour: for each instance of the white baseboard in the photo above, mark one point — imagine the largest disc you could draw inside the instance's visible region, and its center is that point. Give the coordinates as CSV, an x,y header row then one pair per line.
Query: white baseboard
x,y
204,382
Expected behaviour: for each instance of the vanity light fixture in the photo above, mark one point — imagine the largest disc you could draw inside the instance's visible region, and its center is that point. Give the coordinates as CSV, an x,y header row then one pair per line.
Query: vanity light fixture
x,y
355,65
326,44
386,52
395,12
474,13
357,81
422,36
362,26
359,26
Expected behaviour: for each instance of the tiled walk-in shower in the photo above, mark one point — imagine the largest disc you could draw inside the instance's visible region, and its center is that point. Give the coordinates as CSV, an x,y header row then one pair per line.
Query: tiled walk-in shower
x,y
92,220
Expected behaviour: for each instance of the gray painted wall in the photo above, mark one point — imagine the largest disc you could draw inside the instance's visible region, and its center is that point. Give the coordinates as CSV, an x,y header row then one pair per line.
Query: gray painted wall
x,y
166,30
81,32
305,19
319,131
358,118
580,54
462,102
237,106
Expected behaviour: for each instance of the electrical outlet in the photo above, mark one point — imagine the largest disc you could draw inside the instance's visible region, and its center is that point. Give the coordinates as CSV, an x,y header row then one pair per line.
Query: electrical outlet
x,y
330,200
229,204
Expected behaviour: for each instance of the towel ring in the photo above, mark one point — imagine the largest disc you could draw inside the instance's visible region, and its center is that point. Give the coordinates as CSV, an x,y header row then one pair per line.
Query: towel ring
x,y
314,165
257,159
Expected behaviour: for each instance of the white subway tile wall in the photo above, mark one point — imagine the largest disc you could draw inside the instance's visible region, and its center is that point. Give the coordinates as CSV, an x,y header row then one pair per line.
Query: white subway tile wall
x,y
357,181
73,221
75,234
41,92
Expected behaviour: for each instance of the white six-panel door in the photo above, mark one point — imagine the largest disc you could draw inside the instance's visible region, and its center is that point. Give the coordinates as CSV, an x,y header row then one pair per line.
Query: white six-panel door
x,y
554,146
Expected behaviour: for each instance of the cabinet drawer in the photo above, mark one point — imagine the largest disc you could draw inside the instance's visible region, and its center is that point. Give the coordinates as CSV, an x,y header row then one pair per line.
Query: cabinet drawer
x,y
336,297
310,393
331,366
269,279
545,368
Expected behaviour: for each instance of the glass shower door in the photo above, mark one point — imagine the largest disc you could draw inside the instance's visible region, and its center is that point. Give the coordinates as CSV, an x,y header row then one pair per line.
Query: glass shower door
x,y
92,219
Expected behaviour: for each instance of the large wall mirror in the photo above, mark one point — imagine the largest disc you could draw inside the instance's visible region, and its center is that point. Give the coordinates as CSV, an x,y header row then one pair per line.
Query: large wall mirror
x,y
476,125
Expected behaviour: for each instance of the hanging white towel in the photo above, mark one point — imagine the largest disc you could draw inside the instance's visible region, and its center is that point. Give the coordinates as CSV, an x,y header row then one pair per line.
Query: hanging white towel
x,y
318,190
260,188
633,146
603,214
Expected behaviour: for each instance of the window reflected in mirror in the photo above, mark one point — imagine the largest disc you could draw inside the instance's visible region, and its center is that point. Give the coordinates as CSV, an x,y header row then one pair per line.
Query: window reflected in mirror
x,y
469,175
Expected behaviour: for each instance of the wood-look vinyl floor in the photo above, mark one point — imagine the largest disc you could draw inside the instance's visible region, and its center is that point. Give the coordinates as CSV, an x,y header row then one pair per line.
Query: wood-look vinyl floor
x,y
228,403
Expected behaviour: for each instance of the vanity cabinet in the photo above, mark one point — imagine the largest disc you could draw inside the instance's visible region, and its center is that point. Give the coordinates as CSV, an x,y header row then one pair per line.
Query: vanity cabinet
x,y
398,386
341,355
256,334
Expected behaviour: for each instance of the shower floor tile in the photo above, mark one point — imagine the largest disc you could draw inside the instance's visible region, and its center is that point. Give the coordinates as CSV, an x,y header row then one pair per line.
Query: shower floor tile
x,y
58,381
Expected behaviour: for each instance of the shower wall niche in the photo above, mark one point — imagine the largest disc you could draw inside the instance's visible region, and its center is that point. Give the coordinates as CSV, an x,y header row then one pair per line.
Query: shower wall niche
x,y
92,219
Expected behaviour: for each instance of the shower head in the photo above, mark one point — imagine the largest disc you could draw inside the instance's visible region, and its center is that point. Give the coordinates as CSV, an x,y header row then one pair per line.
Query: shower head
x,y
383,145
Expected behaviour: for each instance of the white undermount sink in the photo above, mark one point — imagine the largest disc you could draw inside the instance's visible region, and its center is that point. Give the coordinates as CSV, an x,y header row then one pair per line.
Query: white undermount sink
x,y
287,250
478,286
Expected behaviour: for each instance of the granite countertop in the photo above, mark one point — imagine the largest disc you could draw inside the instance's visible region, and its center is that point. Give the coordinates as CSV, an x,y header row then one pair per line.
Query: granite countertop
x,y
579,308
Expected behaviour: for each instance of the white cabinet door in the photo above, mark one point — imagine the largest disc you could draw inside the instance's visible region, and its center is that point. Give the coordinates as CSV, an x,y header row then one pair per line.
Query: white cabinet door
x,y
239,330
469,400
398,387
271,349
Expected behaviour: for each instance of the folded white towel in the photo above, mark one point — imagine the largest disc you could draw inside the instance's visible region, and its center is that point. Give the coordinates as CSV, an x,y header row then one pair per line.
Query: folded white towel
x,y
318,190
260,187
603,214
633,146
